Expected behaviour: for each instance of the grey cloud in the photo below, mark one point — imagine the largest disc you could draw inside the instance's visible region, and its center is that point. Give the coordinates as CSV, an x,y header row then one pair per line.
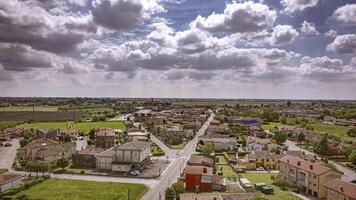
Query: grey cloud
x,y
331,33
5,75
72,68
117,15
238,18
198,75
343,44
283,34
33,26
21,58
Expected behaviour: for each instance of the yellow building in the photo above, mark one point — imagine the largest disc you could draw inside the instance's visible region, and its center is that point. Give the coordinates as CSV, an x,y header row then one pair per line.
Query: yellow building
x,y
308,177
261,158
338,189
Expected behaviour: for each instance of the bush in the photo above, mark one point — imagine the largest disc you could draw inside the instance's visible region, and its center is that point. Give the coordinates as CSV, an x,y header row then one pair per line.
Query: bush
x,y
7,145
82,171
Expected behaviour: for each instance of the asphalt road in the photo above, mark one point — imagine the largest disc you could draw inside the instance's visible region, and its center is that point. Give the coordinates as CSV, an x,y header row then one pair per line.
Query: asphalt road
x,y
170,175
348,174
8,154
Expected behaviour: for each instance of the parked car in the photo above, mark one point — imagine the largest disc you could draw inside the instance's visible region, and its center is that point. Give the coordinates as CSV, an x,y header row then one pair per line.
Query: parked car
x,y
260,169
135,173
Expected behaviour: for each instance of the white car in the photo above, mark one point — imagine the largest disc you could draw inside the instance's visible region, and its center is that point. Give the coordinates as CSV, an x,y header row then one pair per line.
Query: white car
x,y
260,169
135,173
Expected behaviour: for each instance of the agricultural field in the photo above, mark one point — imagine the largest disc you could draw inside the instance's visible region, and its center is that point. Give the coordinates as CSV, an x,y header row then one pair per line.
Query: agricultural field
x,y
331,129
29,108
80,126
266,178
47,116
59,189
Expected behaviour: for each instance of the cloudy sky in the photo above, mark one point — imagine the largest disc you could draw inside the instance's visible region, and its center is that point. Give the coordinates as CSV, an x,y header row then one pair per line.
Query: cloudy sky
x,y
178,48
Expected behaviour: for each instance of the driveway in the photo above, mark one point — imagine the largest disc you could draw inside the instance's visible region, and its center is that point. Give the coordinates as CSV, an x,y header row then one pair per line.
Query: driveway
x,y
8,154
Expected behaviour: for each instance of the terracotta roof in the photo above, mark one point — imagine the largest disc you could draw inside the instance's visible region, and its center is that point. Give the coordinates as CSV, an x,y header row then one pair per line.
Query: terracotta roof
x,y
6,177
41,142
304,165
104,132
201,160
346,188
198,170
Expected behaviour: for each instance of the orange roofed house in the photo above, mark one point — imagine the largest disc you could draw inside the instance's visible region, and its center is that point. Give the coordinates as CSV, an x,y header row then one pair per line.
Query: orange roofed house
x,y
307,176
338,189
105,137
48,150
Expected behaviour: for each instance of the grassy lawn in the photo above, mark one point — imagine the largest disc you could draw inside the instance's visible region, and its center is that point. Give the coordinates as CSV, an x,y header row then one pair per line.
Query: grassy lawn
x,y
227,170
61,189
331,129
80,126
266,178
179,146
270,125
221,160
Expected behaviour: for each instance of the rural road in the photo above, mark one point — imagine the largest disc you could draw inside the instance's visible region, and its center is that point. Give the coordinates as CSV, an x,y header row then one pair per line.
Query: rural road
x,y
8,154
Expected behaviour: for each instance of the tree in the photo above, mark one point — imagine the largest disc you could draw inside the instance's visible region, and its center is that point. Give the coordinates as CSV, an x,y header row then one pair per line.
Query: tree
x,y
23,142
178,187
280,137
323,146
273,178
92,134
352,157
43,167
30,167
289,103
352,132
170,194
62,162
301,137
207,149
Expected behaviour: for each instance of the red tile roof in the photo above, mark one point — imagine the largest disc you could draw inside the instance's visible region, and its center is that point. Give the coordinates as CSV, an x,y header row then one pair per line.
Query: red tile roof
x,y
346,188
304,165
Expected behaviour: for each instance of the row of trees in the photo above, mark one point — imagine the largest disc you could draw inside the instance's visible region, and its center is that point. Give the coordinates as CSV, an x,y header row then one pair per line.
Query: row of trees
x,y
39,167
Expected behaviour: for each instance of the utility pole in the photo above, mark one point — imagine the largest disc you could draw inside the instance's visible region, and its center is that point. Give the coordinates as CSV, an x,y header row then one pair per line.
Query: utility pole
x,y
33,109
128,193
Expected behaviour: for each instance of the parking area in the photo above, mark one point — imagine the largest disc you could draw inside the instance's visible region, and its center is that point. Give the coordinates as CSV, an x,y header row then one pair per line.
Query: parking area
x,y
8,154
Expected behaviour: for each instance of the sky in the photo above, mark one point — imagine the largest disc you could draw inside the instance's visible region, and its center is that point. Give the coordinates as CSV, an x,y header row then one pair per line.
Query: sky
x,y
269,49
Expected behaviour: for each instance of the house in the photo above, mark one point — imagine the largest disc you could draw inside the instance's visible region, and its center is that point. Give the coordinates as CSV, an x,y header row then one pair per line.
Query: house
x,y
105,137
257,131
15,132
124,158
307,176
198,160
199,178
86,158
261,158
330,119
255,143
10,180
222,143
300,154
71,133
338,189
216,196
52,134
48,150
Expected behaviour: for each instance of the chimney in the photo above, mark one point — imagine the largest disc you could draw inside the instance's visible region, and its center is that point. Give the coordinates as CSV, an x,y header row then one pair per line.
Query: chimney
x,y
298,163
342,189
205,170
311,167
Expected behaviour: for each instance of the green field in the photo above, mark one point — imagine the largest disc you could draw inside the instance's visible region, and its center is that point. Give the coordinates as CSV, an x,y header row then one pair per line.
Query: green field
x,y
7,124
331,129
227,171
266,178
29,108
62,189
270,125
80,126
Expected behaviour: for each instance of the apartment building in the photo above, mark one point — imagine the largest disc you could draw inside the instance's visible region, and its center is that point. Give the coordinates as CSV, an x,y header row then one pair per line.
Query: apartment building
x,y
338,189
307,176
